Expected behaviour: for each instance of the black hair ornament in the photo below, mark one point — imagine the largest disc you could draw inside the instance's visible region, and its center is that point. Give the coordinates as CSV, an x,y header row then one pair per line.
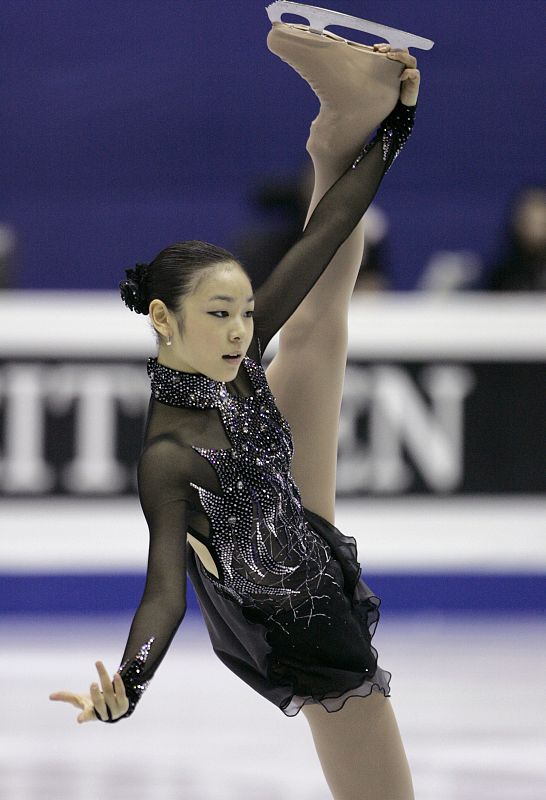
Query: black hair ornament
x,y
132,289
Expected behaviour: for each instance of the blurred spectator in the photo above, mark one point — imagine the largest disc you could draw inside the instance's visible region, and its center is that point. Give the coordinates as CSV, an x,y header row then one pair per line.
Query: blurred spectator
x,y
451,271
522,262
8,250
285,205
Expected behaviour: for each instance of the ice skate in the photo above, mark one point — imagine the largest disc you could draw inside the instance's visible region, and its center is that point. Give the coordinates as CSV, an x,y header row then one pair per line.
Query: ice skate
x,y
321,18
356,85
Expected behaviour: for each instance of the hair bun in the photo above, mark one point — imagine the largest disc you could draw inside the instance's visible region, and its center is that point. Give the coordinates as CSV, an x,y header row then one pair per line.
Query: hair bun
x,y
133,289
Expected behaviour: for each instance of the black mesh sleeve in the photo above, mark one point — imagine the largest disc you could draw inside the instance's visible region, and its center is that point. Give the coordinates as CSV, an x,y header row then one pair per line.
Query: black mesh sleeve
x,y
164,496
333,220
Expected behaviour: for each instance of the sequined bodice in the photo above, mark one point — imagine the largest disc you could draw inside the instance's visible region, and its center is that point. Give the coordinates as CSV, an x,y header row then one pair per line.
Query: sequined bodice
x,y
260,540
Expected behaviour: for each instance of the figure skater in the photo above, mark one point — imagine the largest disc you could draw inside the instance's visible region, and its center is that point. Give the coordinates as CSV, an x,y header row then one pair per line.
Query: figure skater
x,y
236,475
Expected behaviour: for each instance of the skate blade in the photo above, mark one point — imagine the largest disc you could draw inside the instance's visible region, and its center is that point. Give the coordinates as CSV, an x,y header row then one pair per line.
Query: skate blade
x,y
320,18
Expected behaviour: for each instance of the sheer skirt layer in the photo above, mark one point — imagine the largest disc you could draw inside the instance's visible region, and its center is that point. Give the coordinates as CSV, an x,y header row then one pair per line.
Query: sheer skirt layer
x,y
288,661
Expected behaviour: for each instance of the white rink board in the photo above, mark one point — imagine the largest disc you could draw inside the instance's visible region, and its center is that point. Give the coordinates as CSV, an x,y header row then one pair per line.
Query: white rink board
x,y
490,535
475,325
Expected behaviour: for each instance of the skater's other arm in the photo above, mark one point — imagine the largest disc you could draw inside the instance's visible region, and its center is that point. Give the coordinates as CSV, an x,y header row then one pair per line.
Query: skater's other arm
x,y
337,214
165,499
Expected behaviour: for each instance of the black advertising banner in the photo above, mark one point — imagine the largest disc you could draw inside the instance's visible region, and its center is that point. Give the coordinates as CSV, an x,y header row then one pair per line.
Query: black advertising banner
x,y
442,427
420,427
442,396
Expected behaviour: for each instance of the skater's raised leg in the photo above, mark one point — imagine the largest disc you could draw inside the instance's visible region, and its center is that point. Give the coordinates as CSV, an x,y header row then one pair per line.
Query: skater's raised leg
x,y
357,87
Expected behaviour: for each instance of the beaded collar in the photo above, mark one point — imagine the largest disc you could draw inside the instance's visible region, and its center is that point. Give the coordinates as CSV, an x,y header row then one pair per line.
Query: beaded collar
x,y
191,389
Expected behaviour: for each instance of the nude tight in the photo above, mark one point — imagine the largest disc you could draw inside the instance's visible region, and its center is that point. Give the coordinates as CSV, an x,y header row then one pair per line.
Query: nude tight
x,y
360,749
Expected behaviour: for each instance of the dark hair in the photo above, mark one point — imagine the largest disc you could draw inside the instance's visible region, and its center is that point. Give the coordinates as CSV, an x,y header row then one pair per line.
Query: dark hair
x,y
174,273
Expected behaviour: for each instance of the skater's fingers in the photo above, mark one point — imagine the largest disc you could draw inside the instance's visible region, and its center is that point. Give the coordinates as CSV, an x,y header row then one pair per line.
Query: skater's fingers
x,y
410,74
119,687
88,713
98,701
409,86
87,716
403,56
112,702
106,683
68,697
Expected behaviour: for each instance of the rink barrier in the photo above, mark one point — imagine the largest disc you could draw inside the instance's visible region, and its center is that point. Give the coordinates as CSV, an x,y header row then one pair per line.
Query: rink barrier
x,y
441,449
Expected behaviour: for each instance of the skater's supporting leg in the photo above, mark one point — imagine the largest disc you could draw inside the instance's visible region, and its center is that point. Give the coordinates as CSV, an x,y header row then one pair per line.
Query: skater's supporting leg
x,y
360,749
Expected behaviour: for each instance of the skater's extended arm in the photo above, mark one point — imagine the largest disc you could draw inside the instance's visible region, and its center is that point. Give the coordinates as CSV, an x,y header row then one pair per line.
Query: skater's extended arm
x,y
164,496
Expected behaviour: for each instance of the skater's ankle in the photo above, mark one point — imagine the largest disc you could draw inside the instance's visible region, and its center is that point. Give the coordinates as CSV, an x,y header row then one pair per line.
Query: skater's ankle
x,y
329,141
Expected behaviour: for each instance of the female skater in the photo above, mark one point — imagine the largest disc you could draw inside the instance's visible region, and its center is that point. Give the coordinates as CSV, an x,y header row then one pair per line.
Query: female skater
x,y
236,475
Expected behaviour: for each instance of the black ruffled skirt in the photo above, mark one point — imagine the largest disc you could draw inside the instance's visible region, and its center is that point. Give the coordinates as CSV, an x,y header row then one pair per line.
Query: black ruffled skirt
x,y
291,664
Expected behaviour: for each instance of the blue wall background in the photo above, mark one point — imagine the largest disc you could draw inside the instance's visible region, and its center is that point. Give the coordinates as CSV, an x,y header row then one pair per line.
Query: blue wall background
x,y
129,125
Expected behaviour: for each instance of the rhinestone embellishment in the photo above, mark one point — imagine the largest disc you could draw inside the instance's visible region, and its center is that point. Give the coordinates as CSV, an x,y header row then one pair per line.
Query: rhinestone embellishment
x,y
393,133
134,686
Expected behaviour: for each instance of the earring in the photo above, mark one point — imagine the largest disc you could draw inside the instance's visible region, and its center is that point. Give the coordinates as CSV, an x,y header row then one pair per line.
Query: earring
x,y
169,341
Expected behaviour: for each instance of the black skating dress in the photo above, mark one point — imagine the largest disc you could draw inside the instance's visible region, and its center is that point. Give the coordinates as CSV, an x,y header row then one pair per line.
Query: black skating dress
x,y
288,613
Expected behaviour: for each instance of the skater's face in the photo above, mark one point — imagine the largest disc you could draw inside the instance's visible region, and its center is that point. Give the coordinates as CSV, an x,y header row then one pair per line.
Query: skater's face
x,y
217,321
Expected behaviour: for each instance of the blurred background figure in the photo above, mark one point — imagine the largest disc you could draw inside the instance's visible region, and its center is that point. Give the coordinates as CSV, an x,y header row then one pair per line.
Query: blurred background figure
x,y
283,204
8,256
521,264
451,271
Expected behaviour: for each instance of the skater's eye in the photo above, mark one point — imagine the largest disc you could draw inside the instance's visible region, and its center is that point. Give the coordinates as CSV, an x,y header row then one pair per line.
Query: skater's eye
x,y
251,313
